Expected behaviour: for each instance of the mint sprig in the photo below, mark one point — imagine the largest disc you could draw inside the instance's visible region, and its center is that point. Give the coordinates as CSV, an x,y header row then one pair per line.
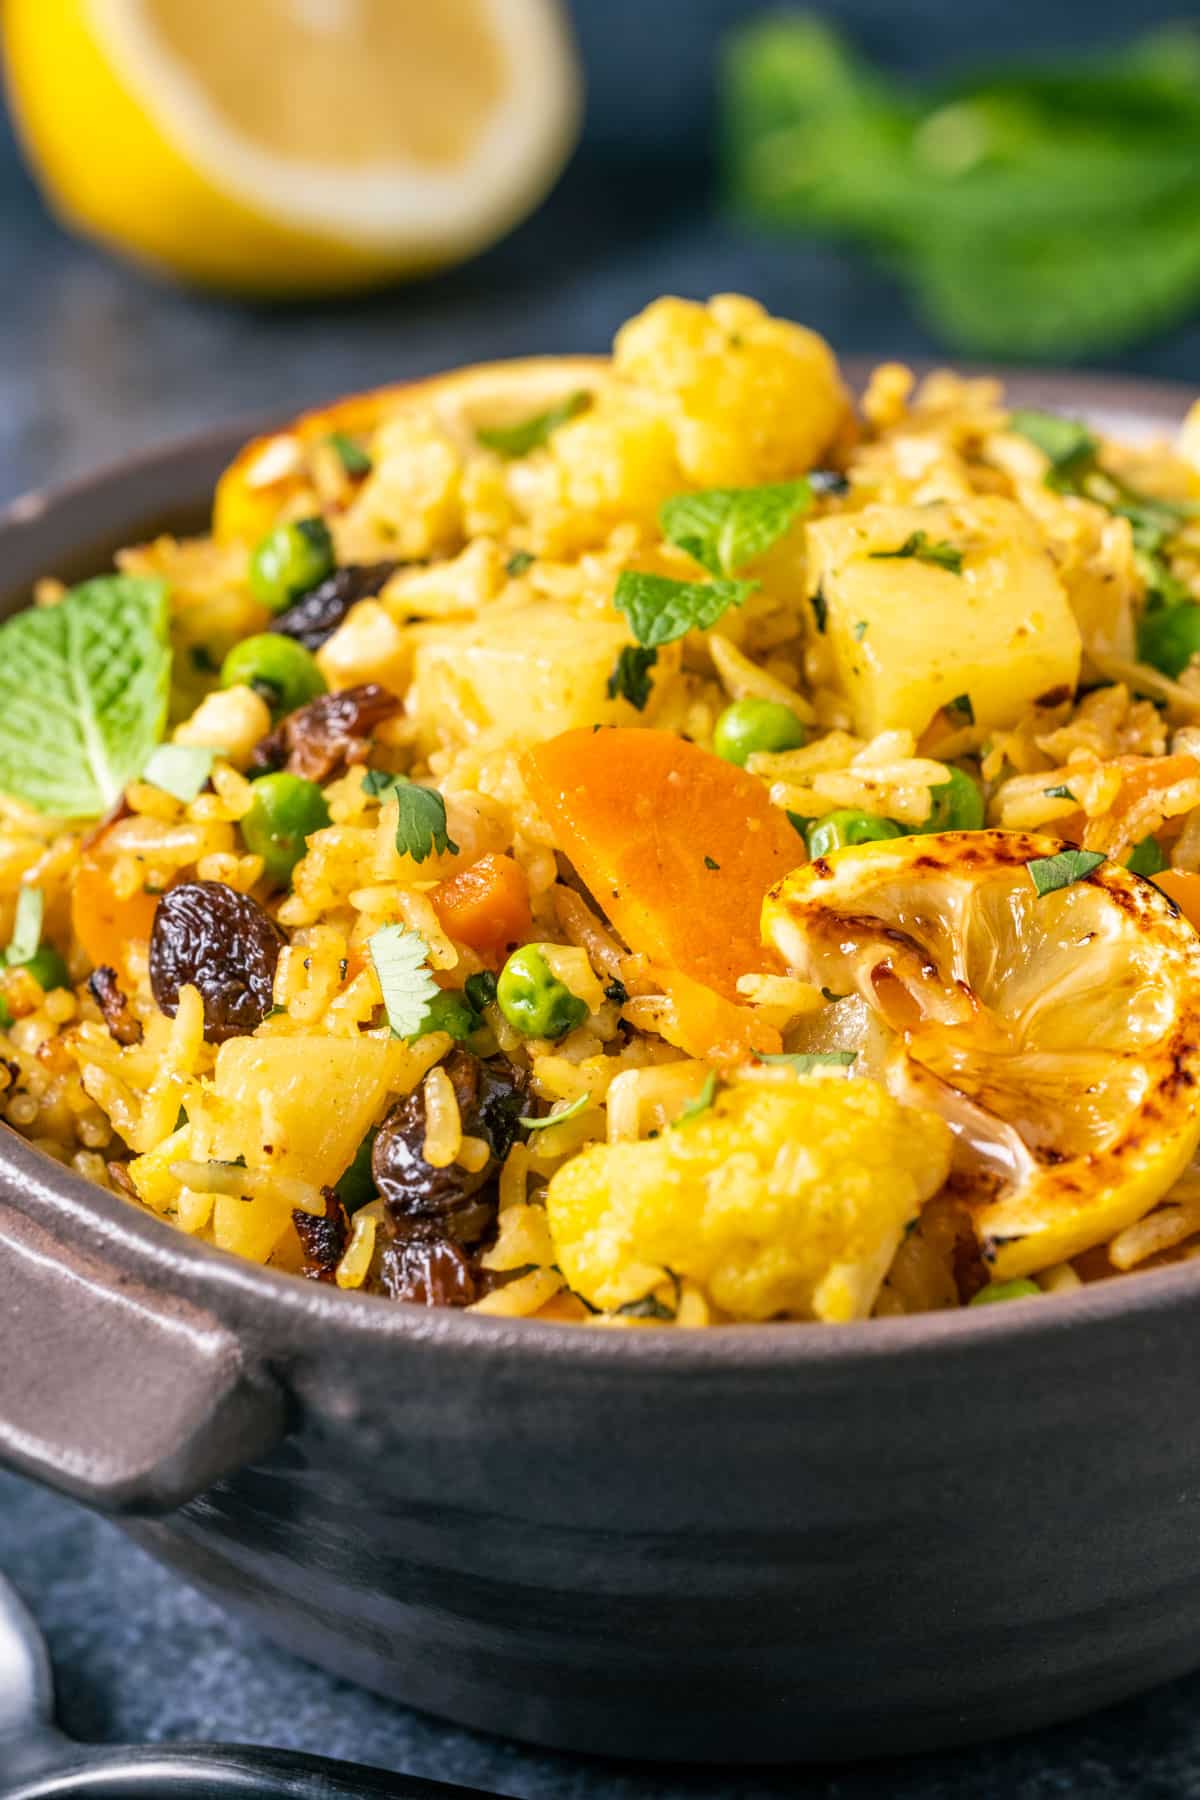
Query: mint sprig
x,y
725,528
660,610
83,694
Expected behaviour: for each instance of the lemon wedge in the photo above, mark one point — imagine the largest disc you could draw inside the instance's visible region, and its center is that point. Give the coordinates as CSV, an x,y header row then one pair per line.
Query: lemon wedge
x,y
1057,1032
291,146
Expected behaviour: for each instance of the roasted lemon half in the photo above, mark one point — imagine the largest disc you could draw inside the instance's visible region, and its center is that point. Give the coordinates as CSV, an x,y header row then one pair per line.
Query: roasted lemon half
x,y
1047,1008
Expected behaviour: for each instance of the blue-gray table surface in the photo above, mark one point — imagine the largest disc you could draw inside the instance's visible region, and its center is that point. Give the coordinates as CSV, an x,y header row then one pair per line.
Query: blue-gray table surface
x,y
95,361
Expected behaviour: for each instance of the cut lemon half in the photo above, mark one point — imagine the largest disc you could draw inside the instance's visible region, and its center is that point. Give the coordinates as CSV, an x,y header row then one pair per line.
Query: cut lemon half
x,y
275,146
1057,1033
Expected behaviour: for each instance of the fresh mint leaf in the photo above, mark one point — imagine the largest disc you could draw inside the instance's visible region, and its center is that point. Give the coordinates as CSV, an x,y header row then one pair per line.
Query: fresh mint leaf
x,y
420,818
401,963
83,694
556,1118
803,1063
531,434
351,455
725,528
27,926
700,1104
661,610
518,562
630,678
180,770
959,710
1067,443
918,545
1050,872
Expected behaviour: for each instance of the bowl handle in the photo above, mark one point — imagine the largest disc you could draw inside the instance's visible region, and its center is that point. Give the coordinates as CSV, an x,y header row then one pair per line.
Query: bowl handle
x,y
129,1399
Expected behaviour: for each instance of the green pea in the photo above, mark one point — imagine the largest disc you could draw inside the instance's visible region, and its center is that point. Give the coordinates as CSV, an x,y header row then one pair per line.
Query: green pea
x,y
1169,637
286,811
47,968
837,829
956,805
289,561
357,1186
1146,858
449,1011
749,726
277,667
1004,1290
533,1000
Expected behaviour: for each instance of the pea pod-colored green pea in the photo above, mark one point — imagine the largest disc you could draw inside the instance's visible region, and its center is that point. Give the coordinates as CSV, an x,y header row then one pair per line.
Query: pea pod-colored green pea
x,y
286,811
955,805
532,998
1004,1290
749,726
277,667
847,826
1169,637
289,561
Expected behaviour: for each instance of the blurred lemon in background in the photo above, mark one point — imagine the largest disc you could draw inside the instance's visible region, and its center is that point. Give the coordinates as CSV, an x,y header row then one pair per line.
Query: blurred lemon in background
x,y
293,146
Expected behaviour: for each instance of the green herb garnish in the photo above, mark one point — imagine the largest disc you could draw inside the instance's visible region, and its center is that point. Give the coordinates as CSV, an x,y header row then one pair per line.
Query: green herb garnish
x,y
710,864
860,630
919,546
421,815
820,606
661,610
401,962
1067,443
531,434
180,770
27,926
701,1103
630,678
352,456
725,528
959,710
556,1118
480,989
1061,792
1050,872
648,1307
83,694
518,562
803,1063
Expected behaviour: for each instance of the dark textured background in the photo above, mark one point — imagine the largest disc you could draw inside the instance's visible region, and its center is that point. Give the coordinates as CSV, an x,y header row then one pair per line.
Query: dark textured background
x,y
96,360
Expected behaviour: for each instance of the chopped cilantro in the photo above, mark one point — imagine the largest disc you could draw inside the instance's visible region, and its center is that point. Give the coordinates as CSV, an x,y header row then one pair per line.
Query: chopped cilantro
x,y
803,1063
420,818
532,434
648,1307
400,958
630,678
352,456
701,1103
556,1118
918,546
820,606
710,864
480,989
960,710
518,562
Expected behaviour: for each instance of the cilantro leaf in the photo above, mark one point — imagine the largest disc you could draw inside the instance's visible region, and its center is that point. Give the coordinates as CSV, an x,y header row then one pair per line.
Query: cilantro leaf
x,y
725,528
804,1062
27,926
630,678
1067,443
917,545
400,959
420,818
480,989
1051,872
531,434
83,694
518,562
556,1118
180,769
352,456
661,610
700,1104
960,710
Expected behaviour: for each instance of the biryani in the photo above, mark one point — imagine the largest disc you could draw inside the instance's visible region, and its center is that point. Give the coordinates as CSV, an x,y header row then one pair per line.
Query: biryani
x,y
644,842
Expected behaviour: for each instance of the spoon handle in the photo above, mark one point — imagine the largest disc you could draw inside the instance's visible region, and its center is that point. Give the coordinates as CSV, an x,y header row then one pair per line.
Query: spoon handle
x,y
221,1772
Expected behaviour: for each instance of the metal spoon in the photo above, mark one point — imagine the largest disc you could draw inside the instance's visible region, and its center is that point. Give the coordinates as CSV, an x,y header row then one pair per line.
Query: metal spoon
x,y
37,1762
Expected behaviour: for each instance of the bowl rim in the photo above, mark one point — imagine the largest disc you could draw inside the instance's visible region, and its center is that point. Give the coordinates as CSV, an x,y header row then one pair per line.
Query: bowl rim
x,y
135,1241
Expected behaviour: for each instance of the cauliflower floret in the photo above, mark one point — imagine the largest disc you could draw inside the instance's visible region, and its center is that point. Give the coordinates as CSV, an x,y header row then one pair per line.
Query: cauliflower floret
x,y
788,1195
750,398
231,720
614,464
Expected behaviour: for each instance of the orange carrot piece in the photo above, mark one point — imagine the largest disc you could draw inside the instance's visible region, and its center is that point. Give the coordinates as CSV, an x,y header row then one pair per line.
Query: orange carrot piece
x,y
485,905
712,1027
103,922
677,847
1183,887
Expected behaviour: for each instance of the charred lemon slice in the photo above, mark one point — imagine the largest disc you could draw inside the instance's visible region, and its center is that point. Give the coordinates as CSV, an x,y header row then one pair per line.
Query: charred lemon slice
x,y
1048,1009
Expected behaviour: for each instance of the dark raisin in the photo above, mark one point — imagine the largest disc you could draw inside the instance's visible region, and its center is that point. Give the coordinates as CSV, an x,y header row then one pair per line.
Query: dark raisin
x,y
318,614
322,739
322,1237
118,1015
427,1272
454,1202
224,944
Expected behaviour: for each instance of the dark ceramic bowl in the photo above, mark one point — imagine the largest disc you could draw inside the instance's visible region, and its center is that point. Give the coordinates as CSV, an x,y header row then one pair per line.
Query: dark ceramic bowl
x,y
756,1543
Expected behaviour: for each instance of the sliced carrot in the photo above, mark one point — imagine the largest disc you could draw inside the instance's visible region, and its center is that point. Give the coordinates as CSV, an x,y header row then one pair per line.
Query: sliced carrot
x,y
677,847
485,905
712,1027
103,921
1183,887
1140,775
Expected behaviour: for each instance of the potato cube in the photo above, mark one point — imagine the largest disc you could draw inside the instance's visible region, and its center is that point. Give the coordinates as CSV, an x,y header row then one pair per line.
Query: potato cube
x,y
909,634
